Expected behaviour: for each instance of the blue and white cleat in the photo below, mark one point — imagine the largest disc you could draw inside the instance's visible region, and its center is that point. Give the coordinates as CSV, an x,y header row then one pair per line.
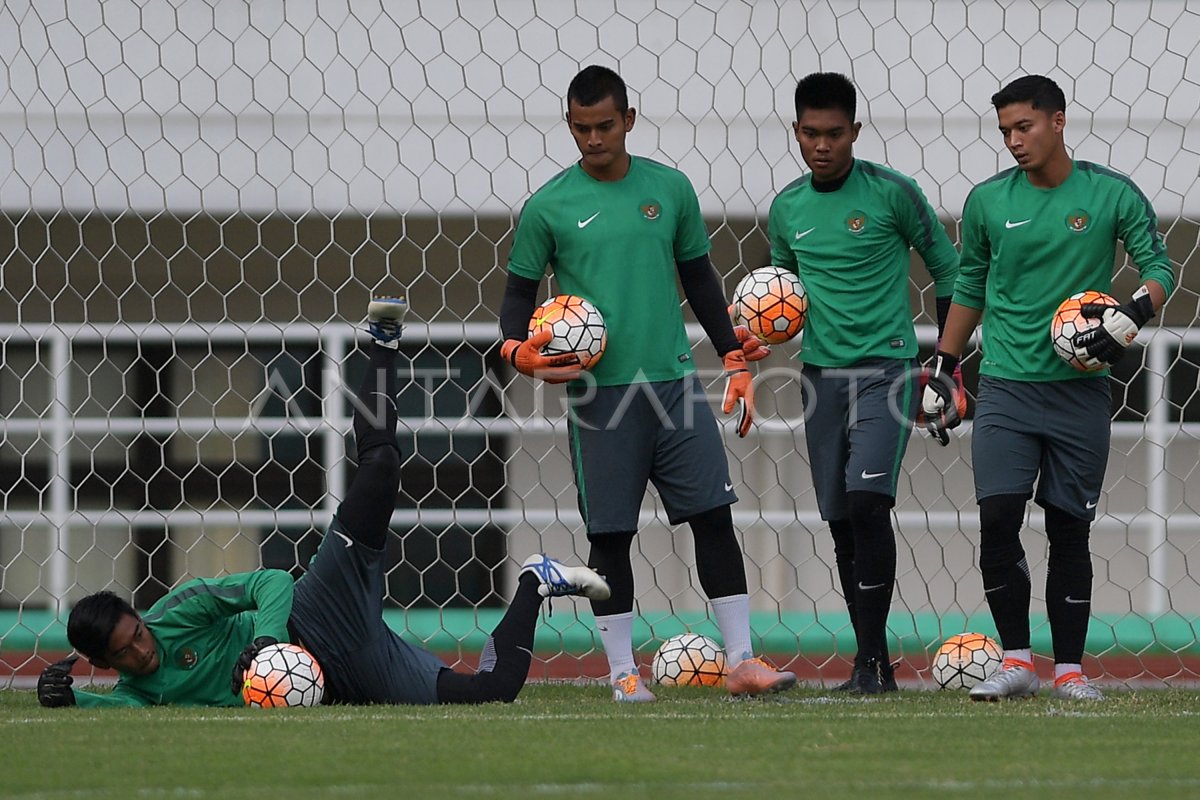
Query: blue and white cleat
x,y
385,320
559,580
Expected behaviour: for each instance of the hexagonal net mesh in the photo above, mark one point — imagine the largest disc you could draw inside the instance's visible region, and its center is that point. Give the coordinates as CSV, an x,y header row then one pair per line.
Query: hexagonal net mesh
x,y
198,198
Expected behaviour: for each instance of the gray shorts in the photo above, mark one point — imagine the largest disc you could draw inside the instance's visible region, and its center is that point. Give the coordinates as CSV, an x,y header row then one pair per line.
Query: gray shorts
x,y
621,437
857,422
1055,434
337,614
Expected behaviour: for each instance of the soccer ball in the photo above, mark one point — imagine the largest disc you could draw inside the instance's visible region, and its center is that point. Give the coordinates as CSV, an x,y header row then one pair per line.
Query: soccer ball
x,y
966,659
283,675
772,303
689,659
577,326
1069,320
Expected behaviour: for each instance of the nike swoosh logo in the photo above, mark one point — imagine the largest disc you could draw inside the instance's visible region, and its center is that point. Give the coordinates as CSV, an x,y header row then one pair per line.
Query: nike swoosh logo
x,y
344,538
583,223
995,589
864,588
387,397
729,487
1010,224
801,234
1090,504
866,476
1070,599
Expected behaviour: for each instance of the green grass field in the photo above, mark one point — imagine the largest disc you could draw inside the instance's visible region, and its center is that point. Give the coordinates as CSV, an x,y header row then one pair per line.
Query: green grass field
x,y
572,741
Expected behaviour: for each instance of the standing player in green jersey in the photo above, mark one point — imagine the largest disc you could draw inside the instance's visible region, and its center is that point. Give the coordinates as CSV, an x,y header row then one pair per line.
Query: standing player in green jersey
x,y
1031,236
194,645
846,229
618,230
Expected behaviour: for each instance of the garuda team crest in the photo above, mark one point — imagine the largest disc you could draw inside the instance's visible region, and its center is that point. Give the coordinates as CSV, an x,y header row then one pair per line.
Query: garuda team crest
x,y
651,210
1078,220
856,221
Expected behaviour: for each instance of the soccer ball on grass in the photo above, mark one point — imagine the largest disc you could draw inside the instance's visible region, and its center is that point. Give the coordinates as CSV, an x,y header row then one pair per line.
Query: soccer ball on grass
x,y
689,659
283,675
965,660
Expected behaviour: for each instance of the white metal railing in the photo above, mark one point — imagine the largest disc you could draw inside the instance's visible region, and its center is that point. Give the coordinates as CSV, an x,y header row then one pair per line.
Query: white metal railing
x,y
335,341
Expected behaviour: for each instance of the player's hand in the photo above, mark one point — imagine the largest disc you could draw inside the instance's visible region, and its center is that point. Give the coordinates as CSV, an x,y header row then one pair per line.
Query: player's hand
x,y
943,402
752,346
54,686
1119,326
739,388
246,659
526,357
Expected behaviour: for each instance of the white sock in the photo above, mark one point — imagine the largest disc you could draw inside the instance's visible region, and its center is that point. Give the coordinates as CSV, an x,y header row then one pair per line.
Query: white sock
x,y
1066,669
616,634
733,618
1024,655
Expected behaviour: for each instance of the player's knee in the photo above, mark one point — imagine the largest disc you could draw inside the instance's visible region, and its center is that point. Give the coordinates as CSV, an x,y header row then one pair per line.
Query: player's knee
x,y
843,538
383,465
870,511
1000,520
1068,535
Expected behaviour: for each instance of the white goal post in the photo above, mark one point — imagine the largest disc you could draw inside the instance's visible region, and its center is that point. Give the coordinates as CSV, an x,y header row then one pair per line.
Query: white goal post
x,y
197,199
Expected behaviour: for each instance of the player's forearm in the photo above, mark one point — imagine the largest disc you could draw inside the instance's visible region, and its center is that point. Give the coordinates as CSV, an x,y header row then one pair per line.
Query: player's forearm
x,y
960,324
1158,295
704,295
272,591
520,299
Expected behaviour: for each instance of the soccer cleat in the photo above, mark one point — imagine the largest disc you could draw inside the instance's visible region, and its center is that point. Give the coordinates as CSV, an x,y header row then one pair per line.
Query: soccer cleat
x,y
755,676
1014,679
1074,686
559,580
385,320
874,677
628,688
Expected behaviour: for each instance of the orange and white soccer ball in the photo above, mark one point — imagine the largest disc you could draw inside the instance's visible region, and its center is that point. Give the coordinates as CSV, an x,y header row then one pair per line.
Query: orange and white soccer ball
x,y
965,660
689,659
283,675
772,303
577,326
1069,320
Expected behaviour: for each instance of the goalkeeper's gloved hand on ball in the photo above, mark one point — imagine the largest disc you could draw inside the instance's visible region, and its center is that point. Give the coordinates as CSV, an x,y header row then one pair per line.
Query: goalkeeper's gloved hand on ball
x,y
944,401
526,357
245,659
739,388
54,686
1119,326
752,346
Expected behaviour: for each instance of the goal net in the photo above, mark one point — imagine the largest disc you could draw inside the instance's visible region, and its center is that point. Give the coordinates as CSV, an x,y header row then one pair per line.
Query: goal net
x,y
198,198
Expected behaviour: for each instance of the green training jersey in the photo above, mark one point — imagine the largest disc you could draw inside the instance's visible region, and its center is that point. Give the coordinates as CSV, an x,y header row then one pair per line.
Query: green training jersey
x,y
1026,249
850,247
199,631
616,243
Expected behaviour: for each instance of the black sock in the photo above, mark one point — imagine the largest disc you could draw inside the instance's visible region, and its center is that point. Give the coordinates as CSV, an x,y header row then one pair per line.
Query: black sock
x,y
874,570
1005,571
366,510
719,563
504,662
843,556
609,557
1068,584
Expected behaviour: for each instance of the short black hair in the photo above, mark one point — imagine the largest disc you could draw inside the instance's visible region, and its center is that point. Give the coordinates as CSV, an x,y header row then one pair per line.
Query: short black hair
x,y
595,83
93,620
1039,91
826,90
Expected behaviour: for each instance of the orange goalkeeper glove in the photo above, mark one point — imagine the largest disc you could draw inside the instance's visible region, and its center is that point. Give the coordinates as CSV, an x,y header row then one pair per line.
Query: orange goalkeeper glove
x,y
526,357
739,387
752,346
